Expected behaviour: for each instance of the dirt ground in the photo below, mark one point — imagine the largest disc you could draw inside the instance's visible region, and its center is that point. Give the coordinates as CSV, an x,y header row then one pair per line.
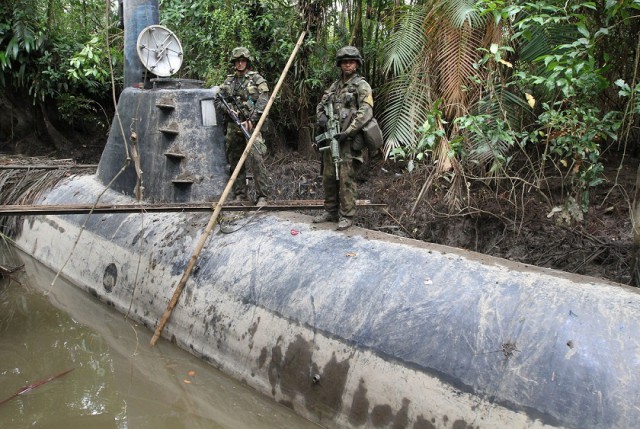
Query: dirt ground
x,y
528,232
525,231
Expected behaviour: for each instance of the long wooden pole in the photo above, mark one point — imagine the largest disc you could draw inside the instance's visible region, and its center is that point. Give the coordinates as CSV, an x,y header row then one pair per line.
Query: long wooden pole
x,y
218,207
71,209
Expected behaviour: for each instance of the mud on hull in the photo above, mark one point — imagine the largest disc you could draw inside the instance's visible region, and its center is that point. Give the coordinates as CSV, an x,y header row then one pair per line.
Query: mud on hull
x,y
361,329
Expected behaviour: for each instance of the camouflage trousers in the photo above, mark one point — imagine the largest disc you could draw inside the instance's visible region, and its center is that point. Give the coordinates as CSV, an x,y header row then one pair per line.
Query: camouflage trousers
x,y
235,144
340,195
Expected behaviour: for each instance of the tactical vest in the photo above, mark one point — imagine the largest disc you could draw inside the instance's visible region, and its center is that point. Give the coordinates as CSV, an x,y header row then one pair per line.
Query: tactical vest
x,y
346,104
244,92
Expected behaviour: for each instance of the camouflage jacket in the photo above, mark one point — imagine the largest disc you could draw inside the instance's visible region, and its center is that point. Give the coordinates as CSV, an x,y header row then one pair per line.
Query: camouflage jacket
x,y
352,103
248,95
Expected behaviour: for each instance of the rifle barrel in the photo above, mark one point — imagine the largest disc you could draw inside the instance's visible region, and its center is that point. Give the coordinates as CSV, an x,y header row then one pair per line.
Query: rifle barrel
x,y
234,117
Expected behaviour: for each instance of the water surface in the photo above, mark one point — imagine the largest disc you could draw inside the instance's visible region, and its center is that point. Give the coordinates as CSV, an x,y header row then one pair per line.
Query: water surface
x,y
116,380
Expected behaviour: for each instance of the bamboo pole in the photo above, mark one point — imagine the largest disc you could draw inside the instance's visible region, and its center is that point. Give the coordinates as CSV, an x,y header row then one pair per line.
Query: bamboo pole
x,y
218,207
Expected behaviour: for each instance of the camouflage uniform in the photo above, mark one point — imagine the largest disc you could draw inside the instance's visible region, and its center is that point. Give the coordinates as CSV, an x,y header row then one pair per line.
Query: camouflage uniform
x,y
248,95
353,105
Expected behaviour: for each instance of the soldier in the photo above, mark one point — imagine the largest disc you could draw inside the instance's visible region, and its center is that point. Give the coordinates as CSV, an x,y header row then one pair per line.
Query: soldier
x,y
247,93
352,103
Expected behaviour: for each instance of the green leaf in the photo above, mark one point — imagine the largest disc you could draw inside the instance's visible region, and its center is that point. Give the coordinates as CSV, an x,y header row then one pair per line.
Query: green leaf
x,y
622,84
583,29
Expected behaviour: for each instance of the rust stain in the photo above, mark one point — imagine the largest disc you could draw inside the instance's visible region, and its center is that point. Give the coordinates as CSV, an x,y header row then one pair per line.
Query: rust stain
x,y
295,376
254,328
461,424
252,332
326,397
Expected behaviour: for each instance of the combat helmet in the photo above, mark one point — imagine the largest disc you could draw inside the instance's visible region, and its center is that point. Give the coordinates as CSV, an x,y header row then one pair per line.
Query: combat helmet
x,y
240,52
348,53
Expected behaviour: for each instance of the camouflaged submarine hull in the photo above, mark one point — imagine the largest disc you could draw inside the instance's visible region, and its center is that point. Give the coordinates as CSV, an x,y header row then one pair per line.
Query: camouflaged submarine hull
x,y
361,329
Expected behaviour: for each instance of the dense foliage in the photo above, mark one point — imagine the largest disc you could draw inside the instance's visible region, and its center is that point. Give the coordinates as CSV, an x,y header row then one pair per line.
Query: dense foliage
x,y
57,52
516,94
475,93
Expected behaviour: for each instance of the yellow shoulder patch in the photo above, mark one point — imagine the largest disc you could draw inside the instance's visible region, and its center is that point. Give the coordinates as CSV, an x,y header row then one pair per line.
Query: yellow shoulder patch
x,y
369,100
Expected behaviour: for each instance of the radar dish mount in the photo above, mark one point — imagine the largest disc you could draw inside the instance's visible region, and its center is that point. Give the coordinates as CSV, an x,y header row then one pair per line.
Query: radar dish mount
x,y
159,50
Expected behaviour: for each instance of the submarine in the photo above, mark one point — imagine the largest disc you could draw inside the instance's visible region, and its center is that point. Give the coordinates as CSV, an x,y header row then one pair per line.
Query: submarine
x,y
350,329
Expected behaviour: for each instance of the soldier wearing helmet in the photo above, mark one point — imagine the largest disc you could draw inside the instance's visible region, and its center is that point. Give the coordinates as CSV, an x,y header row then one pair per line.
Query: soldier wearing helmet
x,y
247,93
240,53
352,103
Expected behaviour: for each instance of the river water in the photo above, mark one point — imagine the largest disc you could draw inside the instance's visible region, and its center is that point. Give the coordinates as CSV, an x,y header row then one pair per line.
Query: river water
x,y
115,379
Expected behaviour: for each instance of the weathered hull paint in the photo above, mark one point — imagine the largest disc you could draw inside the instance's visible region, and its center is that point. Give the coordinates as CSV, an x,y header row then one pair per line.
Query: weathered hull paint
x,y
361,329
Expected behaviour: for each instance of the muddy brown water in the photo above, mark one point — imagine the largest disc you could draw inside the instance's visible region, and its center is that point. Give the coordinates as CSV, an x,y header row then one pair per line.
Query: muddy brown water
x,y
116,379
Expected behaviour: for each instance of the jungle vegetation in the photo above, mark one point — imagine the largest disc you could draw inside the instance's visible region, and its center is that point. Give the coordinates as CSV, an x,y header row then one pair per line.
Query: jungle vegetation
x,y
510,96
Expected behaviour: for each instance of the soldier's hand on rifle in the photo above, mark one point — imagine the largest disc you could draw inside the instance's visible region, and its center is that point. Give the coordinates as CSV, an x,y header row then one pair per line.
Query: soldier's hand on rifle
x,y
341,137
247,125
322,120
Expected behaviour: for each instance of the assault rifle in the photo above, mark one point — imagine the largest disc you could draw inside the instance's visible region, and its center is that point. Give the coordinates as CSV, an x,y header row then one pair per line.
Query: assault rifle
x,y
333,128
234,116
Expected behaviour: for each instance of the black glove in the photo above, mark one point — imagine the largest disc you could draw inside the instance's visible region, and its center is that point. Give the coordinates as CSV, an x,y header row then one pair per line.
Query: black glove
x,y
341,137
322,120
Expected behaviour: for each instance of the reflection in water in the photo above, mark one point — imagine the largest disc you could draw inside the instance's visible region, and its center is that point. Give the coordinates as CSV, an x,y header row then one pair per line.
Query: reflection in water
x,y
116,379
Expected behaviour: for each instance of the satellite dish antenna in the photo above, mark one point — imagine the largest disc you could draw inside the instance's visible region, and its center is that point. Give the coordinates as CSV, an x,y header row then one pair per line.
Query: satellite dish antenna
x,y
159,50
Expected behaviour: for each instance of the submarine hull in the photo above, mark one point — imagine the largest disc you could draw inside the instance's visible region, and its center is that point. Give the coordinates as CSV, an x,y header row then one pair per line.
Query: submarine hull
x,y
360,329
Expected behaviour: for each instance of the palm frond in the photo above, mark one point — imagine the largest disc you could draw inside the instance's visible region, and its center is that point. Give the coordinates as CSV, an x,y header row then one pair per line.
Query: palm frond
x,y
463,12
543,40
503,108
406,100
405,44
504,104
457,54
24,187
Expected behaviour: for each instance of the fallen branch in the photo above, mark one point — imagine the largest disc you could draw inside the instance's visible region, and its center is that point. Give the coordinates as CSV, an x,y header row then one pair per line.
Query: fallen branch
x,y
7,271
28,388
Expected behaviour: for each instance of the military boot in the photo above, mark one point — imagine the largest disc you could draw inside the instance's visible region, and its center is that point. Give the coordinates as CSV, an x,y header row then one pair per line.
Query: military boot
x,y
326,217
344,223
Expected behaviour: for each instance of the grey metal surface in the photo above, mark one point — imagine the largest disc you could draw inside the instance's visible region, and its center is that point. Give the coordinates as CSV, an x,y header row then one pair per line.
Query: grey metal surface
x,y
138,14
399,333
145,124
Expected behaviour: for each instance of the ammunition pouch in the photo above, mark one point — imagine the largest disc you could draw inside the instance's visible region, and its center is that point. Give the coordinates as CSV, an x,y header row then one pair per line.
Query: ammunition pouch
x,y
357,143
372,135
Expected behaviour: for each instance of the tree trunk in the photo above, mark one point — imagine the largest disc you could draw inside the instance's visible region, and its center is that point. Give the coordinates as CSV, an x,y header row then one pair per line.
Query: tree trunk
x,y
57,139
356,33
305,144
